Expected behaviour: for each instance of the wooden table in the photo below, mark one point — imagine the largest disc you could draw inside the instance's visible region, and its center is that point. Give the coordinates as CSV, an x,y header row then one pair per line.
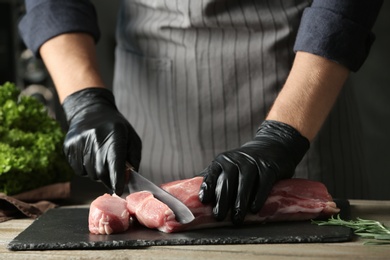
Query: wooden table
x,y
377,210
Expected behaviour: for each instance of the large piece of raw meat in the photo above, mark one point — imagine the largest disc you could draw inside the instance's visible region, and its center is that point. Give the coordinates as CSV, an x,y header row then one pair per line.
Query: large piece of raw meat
x,y
289,200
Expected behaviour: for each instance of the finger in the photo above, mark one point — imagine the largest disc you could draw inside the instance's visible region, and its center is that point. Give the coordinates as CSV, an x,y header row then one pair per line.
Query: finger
x,y
134,149
116,159
248,172
89,162
77,165
266,181
226,189
210,177
118,176
73,155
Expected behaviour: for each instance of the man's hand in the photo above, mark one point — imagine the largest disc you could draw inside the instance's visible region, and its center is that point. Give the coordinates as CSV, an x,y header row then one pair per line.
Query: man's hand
x,y
241,179
100,140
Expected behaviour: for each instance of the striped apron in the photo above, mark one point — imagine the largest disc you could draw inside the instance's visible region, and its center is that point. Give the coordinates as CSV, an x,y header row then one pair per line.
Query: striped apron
x,y
196,78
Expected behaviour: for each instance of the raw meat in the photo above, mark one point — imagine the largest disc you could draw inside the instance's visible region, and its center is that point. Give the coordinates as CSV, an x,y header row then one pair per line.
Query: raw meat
x,y
289,200
150,212
108,214
297,199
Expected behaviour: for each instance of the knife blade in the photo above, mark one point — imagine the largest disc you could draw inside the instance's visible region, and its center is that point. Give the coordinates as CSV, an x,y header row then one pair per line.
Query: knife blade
x,y
139,183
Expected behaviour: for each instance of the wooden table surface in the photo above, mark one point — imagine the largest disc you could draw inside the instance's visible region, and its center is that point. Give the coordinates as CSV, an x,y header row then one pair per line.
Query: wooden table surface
x,y
376,210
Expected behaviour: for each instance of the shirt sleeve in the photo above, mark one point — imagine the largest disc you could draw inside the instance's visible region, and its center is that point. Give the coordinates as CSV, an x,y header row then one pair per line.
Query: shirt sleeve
x,y
45,19
339,30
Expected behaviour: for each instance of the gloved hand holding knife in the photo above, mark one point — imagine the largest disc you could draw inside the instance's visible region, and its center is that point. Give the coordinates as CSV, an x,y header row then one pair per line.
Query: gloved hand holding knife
x,y
100,140
102,144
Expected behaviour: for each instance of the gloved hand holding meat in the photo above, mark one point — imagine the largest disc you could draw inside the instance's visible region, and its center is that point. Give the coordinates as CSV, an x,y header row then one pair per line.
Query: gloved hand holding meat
x,y
100,140
241,179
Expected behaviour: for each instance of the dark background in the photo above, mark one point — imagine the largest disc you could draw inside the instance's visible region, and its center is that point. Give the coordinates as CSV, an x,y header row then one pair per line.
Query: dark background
x,y
371,85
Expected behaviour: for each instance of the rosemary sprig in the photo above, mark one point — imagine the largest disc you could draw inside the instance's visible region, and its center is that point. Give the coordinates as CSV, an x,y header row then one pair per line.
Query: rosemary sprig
x,y
368,229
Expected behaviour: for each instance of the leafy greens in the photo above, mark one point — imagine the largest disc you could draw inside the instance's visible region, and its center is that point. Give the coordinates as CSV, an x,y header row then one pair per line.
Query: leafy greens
x,y
30,144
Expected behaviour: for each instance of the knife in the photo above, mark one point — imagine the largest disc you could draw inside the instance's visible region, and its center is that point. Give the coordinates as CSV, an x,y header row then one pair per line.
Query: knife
x,y
139,183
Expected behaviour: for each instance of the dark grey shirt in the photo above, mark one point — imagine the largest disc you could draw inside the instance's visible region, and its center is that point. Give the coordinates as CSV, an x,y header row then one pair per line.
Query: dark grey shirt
x,y
339,30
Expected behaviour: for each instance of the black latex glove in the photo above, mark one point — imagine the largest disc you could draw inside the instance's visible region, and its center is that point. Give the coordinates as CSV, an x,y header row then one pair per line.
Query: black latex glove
x,y
241,179
100,140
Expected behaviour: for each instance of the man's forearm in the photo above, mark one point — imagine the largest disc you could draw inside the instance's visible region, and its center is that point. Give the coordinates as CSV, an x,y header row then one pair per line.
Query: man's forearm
x,y
309,93
71,61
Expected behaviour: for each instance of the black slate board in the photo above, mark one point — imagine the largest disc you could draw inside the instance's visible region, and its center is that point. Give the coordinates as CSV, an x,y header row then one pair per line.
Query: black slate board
x,y
67,228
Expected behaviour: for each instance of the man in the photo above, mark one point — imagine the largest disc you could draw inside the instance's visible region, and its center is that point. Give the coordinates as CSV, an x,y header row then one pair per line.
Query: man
x,y
197,78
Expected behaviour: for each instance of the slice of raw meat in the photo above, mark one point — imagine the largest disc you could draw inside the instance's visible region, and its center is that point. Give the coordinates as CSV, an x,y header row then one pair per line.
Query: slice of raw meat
x,y
108,214
149,211
289,200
